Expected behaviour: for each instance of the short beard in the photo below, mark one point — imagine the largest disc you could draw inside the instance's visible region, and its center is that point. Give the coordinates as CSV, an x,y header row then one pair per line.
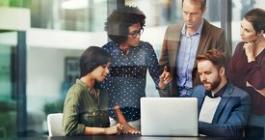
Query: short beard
x,y
214,84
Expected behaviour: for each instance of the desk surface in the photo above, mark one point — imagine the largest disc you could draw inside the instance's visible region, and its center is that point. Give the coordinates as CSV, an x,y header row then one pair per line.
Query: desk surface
x,y
125,137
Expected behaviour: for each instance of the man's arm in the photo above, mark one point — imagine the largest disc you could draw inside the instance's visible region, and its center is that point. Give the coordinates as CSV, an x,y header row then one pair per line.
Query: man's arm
x,y
234,125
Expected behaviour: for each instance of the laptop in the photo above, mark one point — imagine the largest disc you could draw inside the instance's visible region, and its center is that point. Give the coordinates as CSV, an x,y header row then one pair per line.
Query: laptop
x,y
169,116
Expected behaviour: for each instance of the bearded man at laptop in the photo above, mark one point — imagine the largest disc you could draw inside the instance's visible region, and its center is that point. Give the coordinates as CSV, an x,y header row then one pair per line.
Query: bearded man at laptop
x,y
223,108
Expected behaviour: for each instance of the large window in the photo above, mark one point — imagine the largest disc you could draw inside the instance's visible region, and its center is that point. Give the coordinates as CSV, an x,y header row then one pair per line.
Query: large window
x,y
8,82
164,12
76,15
51,64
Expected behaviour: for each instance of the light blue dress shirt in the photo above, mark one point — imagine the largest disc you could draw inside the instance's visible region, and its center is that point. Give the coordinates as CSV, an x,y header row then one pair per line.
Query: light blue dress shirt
x,y
186,58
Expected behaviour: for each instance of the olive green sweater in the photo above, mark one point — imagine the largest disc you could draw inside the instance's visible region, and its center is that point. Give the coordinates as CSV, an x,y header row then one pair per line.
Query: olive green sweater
x,y
82,108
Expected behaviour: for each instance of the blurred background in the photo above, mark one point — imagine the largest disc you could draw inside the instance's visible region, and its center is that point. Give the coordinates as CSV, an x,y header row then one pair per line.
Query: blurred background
x,y
41,41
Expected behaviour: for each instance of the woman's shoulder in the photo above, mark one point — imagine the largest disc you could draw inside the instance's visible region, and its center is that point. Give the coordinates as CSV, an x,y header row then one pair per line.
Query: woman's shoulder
x,y
145,45
110,45
76,90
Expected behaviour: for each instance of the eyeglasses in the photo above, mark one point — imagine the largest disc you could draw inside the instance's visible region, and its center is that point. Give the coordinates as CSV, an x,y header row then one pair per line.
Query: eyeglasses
x,y
136,33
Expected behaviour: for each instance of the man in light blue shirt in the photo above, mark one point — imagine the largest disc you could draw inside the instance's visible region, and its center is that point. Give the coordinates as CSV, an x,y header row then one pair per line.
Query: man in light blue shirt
x,y
184,41
186,58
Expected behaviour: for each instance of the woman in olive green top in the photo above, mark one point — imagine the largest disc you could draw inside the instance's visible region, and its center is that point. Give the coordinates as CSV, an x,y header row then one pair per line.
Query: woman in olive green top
x,y
85,108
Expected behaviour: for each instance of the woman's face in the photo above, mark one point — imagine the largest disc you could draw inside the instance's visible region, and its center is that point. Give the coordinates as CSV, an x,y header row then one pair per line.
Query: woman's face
x,y
134,33
101,72
247,31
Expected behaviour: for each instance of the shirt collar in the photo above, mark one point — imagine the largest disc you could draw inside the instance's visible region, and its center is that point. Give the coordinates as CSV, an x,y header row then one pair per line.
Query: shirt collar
x,y
92,91
78,81
218,94
198,32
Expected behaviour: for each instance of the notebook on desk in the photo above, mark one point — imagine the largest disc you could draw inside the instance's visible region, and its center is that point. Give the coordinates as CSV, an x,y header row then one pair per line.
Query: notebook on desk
x,y
169,116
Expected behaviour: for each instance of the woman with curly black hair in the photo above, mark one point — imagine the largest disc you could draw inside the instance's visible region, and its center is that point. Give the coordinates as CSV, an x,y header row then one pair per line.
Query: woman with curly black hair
x,y
131,58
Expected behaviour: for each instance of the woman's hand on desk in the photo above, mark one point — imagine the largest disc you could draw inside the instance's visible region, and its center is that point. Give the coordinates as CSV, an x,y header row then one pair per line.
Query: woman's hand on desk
x,y
117,129
127,129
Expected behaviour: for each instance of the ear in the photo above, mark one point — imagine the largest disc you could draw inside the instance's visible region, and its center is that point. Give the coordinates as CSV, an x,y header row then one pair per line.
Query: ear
x,y
222,71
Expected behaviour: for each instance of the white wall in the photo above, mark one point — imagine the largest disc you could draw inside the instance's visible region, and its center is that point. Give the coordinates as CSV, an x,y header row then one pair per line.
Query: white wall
x,y
45,74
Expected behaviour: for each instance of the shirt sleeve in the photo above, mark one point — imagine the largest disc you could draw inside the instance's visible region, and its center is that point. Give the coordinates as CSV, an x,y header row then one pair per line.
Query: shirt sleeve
x,y
256,74
71,112
152,63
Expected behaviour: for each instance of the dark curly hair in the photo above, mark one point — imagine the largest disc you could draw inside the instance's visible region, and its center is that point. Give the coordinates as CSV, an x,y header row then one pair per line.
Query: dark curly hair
x,y
118,22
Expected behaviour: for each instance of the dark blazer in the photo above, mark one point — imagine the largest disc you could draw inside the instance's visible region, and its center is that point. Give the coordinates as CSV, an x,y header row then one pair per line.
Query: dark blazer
x,y
231,115
211,37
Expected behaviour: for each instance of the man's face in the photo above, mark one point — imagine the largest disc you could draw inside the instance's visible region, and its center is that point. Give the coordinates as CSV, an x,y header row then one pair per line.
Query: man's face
x,y
209,74
192,14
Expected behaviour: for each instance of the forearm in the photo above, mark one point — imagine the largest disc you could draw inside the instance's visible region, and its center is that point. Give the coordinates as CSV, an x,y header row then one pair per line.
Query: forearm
x,y
119,115
219,130
94,131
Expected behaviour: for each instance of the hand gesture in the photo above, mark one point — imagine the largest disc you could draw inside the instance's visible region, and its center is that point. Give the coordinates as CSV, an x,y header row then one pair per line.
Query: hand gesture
x,y
249,48
165,78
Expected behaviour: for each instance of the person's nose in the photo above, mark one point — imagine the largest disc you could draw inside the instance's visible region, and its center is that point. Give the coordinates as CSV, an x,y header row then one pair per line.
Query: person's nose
x,y
188,17
203,78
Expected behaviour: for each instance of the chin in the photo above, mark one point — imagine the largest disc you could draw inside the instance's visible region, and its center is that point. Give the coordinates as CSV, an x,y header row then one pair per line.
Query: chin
x,y
135,45
207,87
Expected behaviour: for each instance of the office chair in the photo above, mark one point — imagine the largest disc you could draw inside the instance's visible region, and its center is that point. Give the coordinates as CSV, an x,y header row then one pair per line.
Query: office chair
x,y
55,126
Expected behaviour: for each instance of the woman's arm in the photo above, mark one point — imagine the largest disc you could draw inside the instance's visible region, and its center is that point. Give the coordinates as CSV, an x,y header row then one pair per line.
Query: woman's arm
x,y
100,130
126,128
261,91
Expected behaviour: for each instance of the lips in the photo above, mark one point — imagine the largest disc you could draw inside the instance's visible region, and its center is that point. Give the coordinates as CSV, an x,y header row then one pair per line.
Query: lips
x,y
206,83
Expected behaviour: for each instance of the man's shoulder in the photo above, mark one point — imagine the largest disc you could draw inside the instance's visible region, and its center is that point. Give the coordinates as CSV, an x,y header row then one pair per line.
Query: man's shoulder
x,y
211,28
237,92
176,26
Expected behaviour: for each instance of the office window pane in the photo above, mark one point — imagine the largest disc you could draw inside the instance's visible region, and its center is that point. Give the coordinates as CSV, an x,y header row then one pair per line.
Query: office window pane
x,y
75,15
164,12
50,73
78,15
158,12
8,110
